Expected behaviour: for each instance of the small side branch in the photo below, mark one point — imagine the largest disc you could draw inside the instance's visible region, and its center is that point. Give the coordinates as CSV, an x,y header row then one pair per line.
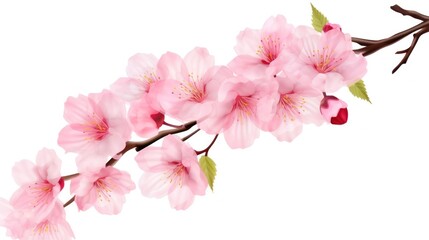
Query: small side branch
x,y
372,46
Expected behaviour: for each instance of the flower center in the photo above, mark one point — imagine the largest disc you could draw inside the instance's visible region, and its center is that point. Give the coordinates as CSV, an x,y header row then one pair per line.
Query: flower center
x,y
148,78
243,106
324,61
40,192
191,89
95,129
103,189
269,49
290,106
176,175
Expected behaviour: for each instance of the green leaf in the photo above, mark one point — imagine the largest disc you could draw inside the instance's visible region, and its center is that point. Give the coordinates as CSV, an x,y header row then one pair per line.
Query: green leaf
x,y
209,168
358,89
318,19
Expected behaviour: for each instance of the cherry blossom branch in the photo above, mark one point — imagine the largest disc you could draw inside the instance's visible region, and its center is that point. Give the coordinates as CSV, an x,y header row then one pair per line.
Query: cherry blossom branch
x,y
372,46
171,125
161,134
206,150
190,135
69,202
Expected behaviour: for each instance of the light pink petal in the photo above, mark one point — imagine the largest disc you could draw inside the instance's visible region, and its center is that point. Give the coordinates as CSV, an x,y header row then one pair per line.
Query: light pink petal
x,y
198,61
242,133
172,67
170,96
5,210
52,228
216,80
248,42
129,89
141,64
181,198
82,184
140,116
266,112
248,66
120,181
84,202
287,131
111,106
49,165
197,181
112,205
154,185
25,172
90,162
328,82
151,159
191,111
277,26
172,146
109,146
353,68
36,209
76,110
217,120
72,140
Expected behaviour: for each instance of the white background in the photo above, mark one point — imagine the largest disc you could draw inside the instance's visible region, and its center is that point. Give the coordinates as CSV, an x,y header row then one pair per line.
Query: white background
x,y
368,179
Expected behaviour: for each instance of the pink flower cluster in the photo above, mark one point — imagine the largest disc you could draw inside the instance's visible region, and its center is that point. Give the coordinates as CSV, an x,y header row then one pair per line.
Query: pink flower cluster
x,y
279,81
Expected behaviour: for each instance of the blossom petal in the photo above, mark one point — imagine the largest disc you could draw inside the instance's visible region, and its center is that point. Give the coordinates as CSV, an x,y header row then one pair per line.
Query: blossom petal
x,y
198,61
129,89
181,198
154,185
151,159
242,133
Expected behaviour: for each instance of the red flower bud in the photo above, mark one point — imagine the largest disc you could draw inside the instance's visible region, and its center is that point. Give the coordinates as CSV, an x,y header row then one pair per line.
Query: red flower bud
x,y
330,26
334,110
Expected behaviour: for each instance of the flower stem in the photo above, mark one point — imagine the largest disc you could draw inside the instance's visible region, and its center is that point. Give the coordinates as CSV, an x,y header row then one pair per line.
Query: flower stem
x,y
206,150
190,135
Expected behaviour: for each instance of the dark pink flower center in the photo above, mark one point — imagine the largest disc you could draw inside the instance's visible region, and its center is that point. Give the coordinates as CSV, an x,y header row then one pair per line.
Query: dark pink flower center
x,y
324,61
290,106
148,78
40,192
96,128
269,49
243,107
103,188
191,89
176,175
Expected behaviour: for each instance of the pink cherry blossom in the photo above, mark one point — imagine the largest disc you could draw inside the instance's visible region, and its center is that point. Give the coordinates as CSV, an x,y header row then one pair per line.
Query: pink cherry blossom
x,y
328,59
296,103
258,50
236,114
145,121
334,110
21,226
190,85
142,73
105,190
54,227
97,130
40,184
171,170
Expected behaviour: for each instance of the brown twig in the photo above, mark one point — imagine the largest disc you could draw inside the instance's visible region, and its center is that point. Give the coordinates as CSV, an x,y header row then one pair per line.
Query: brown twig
x,y
372,46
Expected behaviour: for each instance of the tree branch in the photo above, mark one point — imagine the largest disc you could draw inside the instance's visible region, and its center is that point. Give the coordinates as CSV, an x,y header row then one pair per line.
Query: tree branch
x,y
372,46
